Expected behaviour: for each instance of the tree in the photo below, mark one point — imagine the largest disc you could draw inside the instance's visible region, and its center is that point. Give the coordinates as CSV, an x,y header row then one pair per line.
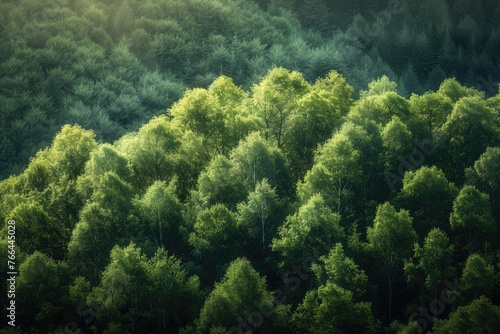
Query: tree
x,y
455,91
34,232
274,99
335,172
380,109
118,290
173,295
234,298
134,292
255,159
486,170
469,130
480,316
471,219
40,291
220,184
214,115
429,197
432,108
478,277
160,214
433,260
103,223
71,150
378,87
314,119
397,139
153,151
331,309
391,238
341,270
260,214
313,224
216,234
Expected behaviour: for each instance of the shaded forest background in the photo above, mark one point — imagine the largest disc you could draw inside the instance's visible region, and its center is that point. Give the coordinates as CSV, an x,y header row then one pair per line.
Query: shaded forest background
x,y
111,65
274,166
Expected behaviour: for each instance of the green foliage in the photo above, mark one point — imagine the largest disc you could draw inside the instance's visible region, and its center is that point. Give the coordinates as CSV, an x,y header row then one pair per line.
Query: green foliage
x,y
478,277
314,224
274,99
40,289
282,158
433,259
160,211
391,238
331,309
379,87
341,270
234,298
480,316
134,291
429,197
216,233
260,213
471,219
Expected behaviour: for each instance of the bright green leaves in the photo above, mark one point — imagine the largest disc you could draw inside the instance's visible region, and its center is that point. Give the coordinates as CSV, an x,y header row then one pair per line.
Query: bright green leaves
x,y
255,159
429,197
215,115
260,214
134,291
471,219
432,108
159,214
397,141
228,181
152,151
487,168
336,172
219,184
40,289
103,223
433,259
470,129
392,234
317,114
35,230
234,298
380,109
274,99
478,277
216,234
455,91
339,269
71,150
391,238
331,309
480,316
312,225
379,87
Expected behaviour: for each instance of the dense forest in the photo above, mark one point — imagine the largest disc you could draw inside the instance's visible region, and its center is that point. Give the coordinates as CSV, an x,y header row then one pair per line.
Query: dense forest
x,y
232,166
112,65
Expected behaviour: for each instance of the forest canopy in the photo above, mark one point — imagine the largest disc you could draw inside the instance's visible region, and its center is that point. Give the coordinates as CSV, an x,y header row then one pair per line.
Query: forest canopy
x,y
112,65
213,166
266,209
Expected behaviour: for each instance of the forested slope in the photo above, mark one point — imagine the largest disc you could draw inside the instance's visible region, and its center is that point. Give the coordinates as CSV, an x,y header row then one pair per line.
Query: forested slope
x,y
289,207
112,65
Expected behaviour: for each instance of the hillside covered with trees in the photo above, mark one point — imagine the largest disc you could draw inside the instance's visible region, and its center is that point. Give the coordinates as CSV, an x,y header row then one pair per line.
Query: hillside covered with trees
x,y
277,166
291,207
112,65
